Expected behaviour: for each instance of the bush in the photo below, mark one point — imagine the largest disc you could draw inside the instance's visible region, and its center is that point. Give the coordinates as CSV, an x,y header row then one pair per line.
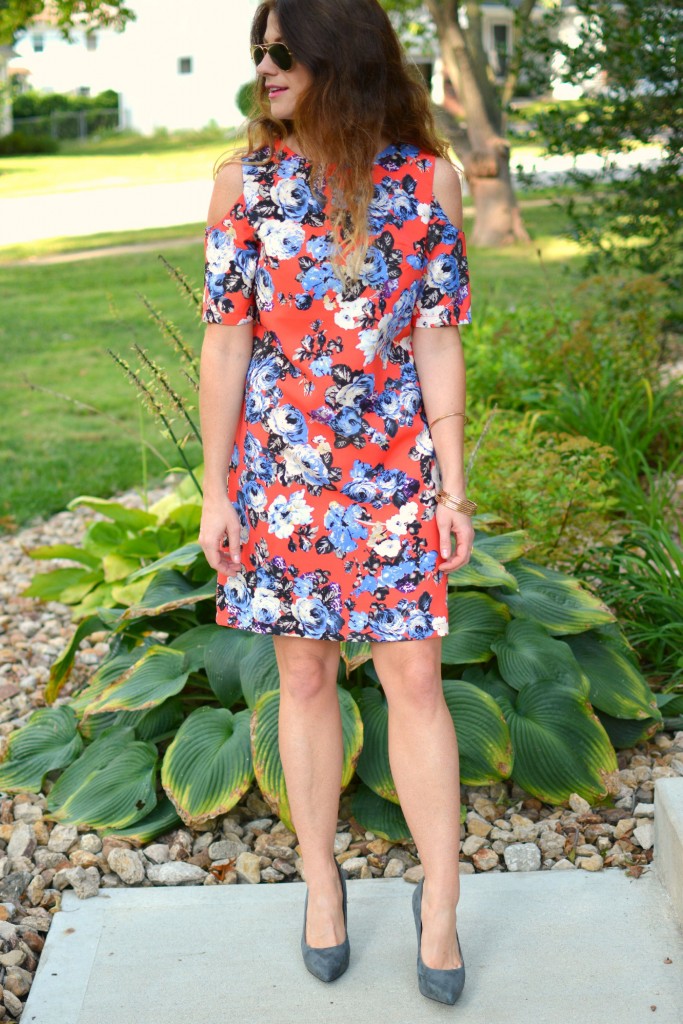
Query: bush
x,y
246,98
18,143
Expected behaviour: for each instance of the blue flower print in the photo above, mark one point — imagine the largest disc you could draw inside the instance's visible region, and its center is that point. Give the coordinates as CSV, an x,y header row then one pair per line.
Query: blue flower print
x,y
236,594
256,404
387,623
304,464
347,423
345,526
289,424
312,615
321,366
282,241
294,198
419,625
443,274
264,374
374,271
319,247
286,513
319,279
265,290
265,606
305,584
254,496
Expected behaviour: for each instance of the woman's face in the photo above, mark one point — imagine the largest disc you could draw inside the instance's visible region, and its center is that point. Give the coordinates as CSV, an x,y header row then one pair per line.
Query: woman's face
x,y
285,88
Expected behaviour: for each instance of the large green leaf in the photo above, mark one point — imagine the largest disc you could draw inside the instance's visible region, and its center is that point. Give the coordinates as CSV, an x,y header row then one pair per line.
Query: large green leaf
x,y
560,746
484,743
616,685
266,752
355,654
482,570
111,785
490,681
223,659
208,767
154,724
129,518
374,814
102,538
474,621
504,547
49,551
61,667
160,673
556,601
195,643
51,586
626,732
48,741
258,670
527,653
167,591
111,669
180,559
373,764
162,819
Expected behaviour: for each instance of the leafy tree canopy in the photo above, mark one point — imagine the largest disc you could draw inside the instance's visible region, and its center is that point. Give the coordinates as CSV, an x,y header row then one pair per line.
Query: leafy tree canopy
x,y
16,15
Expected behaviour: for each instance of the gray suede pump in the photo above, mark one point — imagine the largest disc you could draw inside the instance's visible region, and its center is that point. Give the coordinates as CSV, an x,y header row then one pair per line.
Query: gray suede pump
x,y
327,962
442,985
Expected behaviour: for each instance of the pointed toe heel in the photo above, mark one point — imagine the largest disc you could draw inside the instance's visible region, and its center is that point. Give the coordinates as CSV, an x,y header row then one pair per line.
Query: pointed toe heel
x,y
443,985
327,962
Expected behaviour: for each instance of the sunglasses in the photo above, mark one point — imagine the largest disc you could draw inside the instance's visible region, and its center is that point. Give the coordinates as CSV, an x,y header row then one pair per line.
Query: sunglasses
x,y
279,54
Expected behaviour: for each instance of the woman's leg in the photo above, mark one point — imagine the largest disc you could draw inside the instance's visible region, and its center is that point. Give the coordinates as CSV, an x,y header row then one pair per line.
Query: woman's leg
x,y
425,765
311,750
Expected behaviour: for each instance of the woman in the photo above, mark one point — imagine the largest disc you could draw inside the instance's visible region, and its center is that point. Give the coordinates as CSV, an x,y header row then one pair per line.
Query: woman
x,y
333,405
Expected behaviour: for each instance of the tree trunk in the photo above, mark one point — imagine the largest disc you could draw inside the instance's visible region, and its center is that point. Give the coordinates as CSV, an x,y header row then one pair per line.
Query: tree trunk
x,y
479,143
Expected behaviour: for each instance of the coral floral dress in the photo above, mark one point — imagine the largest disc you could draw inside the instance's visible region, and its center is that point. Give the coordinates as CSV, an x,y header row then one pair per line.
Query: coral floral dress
x,y
333,471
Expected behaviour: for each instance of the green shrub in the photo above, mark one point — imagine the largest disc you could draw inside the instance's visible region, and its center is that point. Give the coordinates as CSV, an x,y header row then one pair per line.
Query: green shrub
x,y
246,98
19,143
182,716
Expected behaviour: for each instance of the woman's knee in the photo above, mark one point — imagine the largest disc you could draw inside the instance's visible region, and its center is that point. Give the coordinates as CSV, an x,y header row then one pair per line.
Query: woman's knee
x,y
306,671
411,680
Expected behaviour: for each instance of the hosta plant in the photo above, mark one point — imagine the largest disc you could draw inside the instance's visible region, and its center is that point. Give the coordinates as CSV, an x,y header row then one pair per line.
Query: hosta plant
x,y
181,718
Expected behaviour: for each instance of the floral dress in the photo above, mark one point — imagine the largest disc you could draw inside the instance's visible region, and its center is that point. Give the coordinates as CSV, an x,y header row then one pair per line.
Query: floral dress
x,y
333,472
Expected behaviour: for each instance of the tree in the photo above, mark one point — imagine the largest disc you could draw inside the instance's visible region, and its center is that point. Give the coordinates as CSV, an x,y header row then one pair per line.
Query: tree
x,y
474,119
636,49
15,15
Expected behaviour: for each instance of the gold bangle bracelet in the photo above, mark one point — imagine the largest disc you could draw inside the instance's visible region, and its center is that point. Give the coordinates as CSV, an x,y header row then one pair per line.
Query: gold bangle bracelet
x,y
463,505
447,415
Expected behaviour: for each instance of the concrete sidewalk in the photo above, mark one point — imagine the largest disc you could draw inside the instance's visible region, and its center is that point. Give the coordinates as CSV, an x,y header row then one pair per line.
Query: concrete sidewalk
x,y
25,219
546,946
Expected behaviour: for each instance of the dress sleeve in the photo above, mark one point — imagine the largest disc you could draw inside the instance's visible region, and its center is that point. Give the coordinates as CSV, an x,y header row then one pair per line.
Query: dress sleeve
x,y
444,297
231,255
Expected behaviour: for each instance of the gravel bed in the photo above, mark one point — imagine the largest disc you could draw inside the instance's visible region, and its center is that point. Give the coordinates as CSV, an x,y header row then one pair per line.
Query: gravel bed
x,y
506,829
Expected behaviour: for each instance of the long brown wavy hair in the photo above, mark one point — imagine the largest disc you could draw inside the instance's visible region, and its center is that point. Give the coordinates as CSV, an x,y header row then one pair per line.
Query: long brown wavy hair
x,y
363,90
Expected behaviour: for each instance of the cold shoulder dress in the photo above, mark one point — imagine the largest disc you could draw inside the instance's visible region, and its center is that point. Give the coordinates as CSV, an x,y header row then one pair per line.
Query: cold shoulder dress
x,y
333,472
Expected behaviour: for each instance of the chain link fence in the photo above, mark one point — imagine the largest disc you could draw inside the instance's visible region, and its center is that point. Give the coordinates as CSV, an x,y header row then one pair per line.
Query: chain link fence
x,y
69,124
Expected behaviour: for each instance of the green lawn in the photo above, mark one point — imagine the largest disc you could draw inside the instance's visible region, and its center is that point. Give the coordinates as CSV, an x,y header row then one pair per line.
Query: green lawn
x,y
57,322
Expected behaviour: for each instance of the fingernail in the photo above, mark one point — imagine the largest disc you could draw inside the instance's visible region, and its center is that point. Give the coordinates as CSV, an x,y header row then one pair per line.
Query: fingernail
x,y
235,558
444,552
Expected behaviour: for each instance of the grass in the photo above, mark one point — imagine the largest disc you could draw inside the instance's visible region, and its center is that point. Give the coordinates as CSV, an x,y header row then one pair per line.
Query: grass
x,y
57,323
123,160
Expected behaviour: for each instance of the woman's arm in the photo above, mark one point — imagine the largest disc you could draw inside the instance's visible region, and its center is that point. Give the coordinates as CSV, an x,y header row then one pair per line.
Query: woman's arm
x,y
226,352
440,366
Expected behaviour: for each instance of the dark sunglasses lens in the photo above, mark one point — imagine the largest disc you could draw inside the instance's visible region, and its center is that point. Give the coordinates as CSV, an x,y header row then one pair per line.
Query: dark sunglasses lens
x,y
281,56
257,53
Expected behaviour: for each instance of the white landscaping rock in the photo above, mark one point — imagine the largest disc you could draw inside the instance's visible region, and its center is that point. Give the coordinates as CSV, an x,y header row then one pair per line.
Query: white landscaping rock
x,y
22,841
127,864
62,838
644,811
578,804
176,872
157,853
644,835
522,857
248,868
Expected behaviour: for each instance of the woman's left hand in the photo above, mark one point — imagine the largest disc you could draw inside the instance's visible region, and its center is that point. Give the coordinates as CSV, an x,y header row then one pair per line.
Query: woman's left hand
x,y
460,526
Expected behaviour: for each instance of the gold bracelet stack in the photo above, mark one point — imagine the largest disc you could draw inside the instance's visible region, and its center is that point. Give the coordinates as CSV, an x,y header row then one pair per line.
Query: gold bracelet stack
x,y
447,415
463,505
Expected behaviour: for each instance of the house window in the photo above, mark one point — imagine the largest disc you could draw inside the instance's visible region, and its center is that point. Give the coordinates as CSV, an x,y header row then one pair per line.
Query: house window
x,y
38,43
501,45
84,90
185,66
91,41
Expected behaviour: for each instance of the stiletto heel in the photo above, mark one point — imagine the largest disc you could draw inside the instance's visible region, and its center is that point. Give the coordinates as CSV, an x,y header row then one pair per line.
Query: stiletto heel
x,y
327,962
442,985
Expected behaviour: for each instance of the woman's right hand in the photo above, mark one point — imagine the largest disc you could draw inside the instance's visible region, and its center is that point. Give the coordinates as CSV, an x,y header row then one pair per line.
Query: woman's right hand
x,y
220,520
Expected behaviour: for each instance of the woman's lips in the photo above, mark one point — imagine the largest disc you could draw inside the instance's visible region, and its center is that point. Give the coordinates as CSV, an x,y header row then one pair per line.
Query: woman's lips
x,y
276,91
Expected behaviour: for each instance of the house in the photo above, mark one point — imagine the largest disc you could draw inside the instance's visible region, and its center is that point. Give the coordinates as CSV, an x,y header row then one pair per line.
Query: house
x,y
176,66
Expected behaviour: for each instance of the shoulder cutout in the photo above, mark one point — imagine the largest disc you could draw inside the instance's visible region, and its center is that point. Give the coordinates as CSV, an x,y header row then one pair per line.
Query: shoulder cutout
x,y
227,188
448,190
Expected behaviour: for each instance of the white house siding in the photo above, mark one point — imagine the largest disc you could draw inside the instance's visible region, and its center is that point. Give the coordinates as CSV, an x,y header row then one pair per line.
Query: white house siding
x,y
143,63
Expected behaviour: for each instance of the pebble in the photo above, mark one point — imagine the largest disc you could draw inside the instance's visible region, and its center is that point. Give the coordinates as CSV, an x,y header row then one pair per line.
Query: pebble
x,y
522,857
504,829
175,873
127,864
